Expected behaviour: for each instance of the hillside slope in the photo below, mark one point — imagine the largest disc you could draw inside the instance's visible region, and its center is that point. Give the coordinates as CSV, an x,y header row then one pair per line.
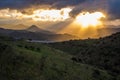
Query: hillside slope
x,y
103,53
20,60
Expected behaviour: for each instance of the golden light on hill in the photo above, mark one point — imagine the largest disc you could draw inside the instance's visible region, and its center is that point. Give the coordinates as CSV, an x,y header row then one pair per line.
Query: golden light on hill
x,y
86,19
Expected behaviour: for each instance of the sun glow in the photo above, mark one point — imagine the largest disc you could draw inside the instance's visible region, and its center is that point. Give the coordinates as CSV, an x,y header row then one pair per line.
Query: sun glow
x,y
87,19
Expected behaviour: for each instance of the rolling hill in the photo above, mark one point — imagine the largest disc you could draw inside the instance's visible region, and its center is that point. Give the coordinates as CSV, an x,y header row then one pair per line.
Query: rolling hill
x,y
103,53
20,60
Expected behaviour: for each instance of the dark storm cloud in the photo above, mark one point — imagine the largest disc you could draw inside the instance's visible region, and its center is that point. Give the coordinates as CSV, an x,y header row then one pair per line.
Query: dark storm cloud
x,y
18,4
114,9
90,6
64,3
14,3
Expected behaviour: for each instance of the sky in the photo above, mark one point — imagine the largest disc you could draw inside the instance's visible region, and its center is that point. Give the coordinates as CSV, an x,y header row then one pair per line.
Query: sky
x,y
57,15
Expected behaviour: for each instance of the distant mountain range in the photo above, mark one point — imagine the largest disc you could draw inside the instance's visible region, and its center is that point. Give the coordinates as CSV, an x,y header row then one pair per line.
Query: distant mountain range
x,y
107,31
34,28
35,33
14,26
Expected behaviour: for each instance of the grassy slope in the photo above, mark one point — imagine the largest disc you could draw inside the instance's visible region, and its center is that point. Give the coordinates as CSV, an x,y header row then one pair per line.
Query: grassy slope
x,y
103,53
18,61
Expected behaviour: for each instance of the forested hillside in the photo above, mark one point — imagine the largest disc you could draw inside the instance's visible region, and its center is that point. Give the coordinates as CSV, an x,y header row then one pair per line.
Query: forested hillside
x,y
103,53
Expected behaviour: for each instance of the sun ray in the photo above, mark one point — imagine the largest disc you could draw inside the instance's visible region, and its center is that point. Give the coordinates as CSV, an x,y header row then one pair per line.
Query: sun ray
x,y
86,19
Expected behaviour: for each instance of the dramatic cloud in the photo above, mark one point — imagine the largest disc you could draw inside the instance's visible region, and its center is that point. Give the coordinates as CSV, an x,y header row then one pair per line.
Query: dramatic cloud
x,y
110,6
114,9
38,15
19,4
15,3
28,7
90,6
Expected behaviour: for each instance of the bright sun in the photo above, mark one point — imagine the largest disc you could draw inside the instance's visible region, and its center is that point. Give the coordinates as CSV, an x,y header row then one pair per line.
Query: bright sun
x,y
86,19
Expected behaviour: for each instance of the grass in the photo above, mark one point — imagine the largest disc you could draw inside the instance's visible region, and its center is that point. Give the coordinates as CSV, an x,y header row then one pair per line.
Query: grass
x,y
21,62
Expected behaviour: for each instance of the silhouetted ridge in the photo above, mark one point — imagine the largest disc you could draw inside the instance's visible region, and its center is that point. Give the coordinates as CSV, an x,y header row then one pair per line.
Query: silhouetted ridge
x,y
33,28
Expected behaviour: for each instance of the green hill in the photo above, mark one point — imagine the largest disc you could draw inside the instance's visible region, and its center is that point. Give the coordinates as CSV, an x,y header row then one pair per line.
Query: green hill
x,y
103,53
20,60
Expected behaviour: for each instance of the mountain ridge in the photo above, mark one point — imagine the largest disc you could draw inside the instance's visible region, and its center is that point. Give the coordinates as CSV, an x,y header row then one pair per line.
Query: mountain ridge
x,y
34,28
40,35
